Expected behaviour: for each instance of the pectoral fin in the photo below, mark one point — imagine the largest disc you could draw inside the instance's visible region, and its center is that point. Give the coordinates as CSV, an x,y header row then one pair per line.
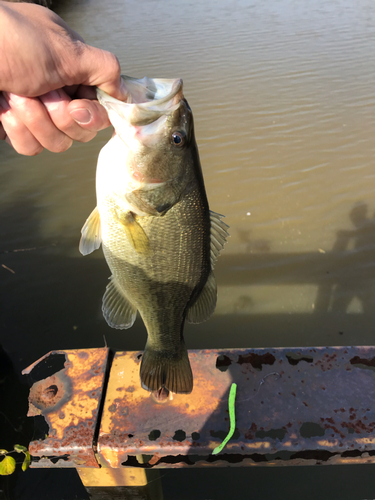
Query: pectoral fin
x,y
91,233
117,309
135,233
205,304
219,235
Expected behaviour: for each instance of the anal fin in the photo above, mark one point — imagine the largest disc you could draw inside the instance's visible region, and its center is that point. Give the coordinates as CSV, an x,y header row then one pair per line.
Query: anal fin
x,y
205,304
118,311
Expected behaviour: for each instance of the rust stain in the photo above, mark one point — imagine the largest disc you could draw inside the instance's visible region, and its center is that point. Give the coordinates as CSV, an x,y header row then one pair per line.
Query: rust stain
x,y
45,397
69,401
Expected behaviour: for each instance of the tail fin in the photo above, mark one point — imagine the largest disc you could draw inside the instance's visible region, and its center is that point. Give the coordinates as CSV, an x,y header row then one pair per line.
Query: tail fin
x,y
165,369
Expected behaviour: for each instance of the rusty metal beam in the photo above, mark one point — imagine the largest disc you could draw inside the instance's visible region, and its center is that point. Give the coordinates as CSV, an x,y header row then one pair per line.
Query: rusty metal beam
x,y
293,406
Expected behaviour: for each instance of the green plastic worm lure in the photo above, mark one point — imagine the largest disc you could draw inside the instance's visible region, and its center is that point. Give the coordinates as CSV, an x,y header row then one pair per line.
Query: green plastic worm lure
x,y
232,418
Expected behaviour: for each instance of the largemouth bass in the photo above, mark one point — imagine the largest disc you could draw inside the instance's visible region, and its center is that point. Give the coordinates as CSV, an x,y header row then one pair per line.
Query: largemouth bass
x,y
159,237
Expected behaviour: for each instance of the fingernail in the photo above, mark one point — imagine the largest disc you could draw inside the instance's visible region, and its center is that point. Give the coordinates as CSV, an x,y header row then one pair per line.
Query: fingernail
x,y
81,116
14,98
51,100
52,95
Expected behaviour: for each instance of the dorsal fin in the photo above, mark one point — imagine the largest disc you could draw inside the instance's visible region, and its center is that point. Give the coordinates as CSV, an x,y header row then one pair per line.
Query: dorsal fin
x,y
219,235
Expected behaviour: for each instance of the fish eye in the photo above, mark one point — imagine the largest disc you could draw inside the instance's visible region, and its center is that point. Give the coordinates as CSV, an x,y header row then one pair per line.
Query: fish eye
x,y
178,139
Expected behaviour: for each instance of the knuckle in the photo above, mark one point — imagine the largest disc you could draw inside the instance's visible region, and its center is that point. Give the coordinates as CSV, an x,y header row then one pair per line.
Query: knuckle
x,y
35,151
87,137
11,123
14,131
64,124
62,145
28,149
114,64
32,121
24,106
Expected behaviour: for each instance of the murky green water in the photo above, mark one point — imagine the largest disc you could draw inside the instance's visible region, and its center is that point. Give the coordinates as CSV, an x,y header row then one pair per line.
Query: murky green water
x,y
283,98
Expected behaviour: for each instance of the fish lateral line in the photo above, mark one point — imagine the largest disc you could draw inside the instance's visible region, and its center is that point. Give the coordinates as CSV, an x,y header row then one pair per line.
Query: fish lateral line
x,y
232,418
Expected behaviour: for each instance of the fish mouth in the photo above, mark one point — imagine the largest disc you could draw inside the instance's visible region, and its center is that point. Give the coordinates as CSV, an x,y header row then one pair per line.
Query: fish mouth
x,y
142,121
148,100
146,182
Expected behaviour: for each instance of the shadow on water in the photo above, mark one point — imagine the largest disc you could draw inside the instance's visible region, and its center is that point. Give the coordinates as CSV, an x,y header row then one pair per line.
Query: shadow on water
x,y
51,299
51,296
341,311
358,281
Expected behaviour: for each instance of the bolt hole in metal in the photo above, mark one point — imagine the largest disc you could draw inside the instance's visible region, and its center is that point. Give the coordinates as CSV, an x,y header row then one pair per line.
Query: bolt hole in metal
x,y
223,363
154,435
359,362
294,358
50,392
179,435
311,430
273,434
222,434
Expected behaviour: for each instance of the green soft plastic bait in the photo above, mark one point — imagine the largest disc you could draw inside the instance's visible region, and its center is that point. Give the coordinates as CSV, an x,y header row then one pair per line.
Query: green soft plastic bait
x,y
232,418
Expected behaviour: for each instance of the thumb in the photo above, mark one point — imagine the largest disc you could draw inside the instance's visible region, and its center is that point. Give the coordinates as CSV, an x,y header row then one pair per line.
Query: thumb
x,y
102,69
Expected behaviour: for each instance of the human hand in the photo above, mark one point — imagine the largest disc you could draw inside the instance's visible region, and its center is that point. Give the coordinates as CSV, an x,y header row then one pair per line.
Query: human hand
x,y
47,79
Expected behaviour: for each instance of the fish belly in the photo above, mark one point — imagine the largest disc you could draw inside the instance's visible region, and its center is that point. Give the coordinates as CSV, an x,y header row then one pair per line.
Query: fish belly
x,y
162,282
